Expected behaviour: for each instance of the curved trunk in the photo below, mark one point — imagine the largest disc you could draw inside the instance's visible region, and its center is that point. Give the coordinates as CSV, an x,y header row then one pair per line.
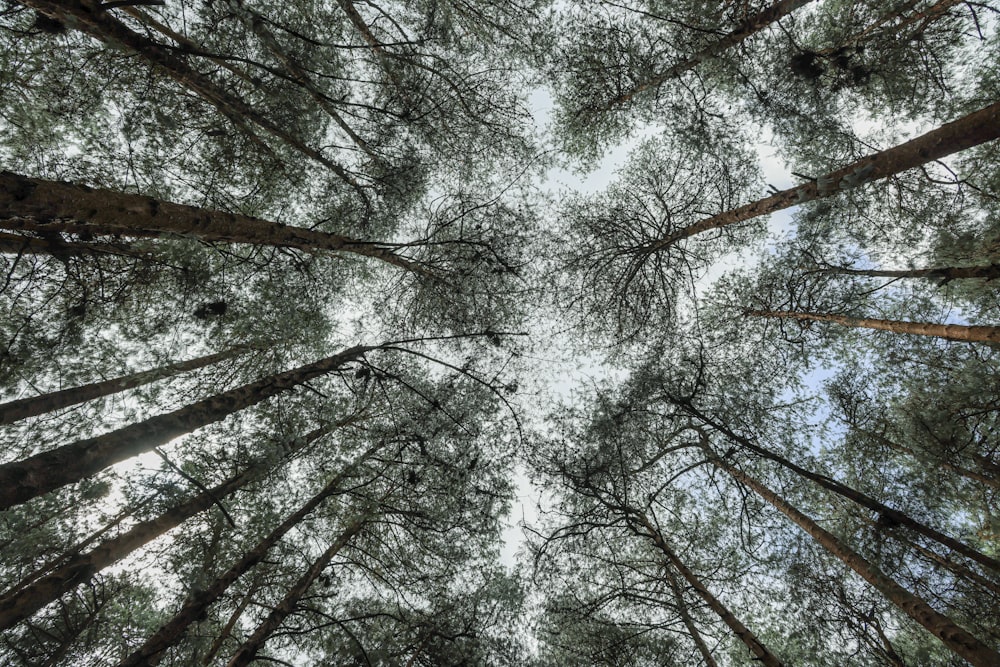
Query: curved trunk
x,y
248,651
760,652
23,480
889,515
954,637
27,599
13,411
194,607
972,130
751,26
46,207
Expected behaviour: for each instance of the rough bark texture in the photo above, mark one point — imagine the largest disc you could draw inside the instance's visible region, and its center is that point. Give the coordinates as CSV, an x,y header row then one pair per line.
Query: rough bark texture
x,y
751,26
954,637
37,405
88,17
23,480
197,603
759,651
248,651
976,128
890,515
959,332
52,207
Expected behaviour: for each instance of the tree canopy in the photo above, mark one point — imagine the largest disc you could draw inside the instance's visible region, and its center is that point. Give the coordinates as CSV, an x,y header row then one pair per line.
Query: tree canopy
x,y
464,332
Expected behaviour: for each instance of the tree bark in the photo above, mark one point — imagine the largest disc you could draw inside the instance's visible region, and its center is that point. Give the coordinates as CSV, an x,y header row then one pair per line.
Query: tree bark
x,y
959,332
17,244
757,649
972,130
248,651
692,629
28,597
890,515
943,274
23,480
88,17
751,26
37,205
964,472
13,411
957,569
954,637
196,604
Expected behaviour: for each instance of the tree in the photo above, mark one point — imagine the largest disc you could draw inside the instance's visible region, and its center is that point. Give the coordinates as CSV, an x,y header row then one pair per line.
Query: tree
x,y
32,407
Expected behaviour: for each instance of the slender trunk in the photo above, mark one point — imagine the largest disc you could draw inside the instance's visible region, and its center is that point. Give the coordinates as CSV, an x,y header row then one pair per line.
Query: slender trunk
x,y
942,274
972,130
954,637
888,514
300,76
248,651
37,205
25,600
955,568
751,26
91,19
958,332
23,480
760,652
17,244
227,629
197,603
32,407
895,22
56,657
53,563
964,472
692,629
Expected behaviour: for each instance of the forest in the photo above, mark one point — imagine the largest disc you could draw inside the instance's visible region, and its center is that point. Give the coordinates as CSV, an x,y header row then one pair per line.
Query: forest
x,y
421,333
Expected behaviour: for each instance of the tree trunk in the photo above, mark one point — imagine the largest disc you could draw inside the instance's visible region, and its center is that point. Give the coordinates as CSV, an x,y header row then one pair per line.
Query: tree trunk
x,y
32,407
692,629
17,244
23,480
37,205
964,472
942,627
227,629
299,75
942,274
958,332
760,652
196,604
957,569
751,26
27,598
887,514
89,18
248,651
895,21
972,130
